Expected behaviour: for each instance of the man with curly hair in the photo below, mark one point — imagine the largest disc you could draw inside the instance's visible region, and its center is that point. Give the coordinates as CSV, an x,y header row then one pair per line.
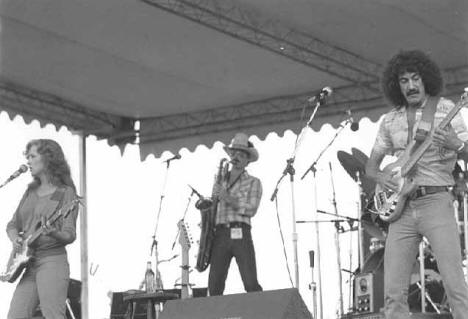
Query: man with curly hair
x,y
412,83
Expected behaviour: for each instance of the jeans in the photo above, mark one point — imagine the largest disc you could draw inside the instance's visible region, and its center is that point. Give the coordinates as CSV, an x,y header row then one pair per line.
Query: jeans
x,y
44,282
430,216
224,248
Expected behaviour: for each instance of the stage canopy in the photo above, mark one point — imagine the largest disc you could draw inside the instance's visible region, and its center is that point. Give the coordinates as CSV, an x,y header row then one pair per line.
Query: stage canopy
x,y
195,72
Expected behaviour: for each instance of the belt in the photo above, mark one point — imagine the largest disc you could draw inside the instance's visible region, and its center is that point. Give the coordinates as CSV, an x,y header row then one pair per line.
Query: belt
x,y
233,225
427,190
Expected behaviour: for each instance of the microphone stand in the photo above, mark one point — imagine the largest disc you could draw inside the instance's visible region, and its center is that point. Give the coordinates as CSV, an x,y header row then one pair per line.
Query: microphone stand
x,y
154,244
289,169
313,169
337,246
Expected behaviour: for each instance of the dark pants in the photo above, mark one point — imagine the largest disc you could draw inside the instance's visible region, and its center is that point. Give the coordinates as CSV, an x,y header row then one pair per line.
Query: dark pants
x,y
224,248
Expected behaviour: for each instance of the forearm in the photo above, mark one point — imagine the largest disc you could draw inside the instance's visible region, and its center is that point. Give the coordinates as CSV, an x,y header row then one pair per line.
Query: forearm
x,y
12,234
63,237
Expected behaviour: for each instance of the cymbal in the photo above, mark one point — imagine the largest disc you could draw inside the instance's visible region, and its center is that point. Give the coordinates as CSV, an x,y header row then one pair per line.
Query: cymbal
x,y
359,155
353,164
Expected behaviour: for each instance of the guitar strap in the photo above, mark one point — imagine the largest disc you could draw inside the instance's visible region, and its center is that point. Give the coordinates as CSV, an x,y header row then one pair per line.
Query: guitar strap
x,y
426,123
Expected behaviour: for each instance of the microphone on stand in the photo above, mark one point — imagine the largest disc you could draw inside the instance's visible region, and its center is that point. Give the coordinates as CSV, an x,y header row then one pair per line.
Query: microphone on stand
x,y
175,157
22,169
326,91
354,125
202,203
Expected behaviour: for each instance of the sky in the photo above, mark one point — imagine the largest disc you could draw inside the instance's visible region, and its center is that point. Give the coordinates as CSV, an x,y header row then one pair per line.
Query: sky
x,y
124,195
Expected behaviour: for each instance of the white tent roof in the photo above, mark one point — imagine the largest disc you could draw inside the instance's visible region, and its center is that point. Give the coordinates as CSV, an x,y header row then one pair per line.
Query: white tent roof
x,y
194,72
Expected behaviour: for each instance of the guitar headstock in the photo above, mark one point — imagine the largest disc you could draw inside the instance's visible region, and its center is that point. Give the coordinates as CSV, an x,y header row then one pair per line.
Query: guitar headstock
x,y
185,240
464,97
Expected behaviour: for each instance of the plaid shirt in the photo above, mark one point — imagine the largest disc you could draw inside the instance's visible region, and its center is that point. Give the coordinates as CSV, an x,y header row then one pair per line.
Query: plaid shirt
x,y
248,191
436,165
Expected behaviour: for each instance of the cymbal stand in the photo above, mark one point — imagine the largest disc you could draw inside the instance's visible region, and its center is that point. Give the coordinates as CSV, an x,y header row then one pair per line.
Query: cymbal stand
x,y
465,226
360,228
337,246
422,276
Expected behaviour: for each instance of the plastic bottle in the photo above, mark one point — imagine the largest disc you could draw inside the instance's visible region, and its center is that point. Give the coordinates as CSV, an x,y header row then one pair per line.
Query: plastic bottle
x,y
149,278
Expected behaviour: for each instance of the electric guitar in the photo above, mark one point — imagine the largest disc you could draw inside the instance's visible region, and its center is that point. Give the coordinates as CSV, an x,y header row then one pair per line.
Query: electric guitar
x,y
389,204
19,260
185,242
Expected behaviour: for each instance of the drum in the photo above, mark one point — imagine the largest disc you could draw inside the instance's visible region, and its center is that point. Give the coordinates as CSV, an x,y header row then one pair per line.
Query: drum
x,y
374,265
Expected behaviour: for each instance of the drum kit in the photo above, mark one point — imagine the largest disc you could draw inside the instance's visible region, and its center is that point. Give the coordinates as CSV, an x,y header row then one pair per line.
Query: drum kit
x,y
373,238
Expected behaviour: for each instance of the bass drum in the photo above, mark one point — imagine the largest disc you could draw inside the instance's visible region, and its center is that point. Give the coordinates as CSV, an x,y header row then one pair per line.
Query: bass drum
x,y
434,288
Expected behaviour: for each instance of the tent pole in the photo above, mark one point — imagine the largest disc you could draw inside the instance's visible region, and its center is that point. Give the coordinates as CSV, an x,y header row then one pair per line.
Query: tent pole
x,y
83,228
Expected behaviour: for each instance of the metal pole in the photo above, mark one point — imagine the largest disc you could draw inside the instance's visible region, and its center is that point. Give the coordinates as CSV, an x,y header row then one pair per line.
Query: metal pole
x,y
83,228
337,247
422,277
317,234
465,226
294,234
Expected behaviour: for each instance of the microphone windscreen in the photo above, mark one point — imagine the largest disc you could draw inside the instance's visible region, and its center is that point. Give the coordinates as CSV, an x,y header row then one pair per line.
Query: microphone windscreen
x,y
354,126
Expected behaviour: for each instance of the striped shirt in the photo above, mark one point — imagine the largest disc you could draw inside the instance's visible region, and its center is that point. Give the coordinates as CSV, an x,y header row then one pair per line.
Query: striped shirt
x,y
436,165
248,191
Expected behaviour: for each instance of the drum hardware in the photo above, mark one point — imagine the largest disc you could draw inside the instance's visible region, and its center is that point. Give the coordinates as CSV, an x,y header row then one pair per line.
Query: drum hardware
x,y
338,228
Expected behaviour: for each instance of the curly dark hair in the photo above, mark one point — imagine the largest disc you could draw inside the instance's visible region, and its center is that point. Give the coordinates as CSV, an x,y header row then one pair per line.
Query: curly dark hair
x,y
54,160
410,61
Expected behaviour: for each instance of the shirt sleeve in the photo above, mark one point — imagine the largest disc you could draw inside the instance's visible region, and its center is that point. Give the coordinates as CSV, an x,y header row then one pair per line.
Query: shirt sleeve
x,y
14,225
459,126
249,203
69,221
383,142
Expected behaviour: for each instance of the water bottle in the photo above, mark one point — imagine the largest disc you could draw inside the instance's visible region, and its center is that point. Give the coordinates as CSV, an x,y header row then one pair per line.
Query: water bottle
x,y
149,278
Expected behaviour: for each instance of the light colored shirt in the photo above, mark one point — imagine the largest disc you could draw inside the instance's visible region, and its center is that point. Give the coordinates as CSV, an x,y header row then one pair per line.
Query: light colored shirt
x,y
248,192
436,165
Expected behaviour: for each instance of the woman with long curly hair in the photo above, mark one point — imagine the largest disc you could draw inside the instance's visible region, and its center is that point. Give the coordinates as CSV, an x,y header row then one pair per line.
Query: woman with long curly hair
x,y
45,280
412,83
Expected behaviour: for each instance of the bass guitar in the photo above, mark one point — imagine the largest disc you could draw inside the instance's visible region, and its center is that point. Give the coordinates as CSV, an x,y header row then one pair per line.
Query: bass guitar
x,y
389,204
19,260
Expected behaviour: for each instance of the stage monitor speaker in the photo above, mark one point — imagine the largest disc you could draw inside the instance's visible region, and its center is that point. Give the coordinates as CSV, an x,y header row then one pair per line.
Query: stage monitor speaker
x,y
274,304
119,307
380,315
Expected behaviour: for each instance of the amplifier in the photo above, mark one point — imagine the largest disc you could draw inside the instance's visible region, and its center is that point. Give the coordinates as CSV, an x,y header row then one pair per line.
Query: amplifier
x,y
368,293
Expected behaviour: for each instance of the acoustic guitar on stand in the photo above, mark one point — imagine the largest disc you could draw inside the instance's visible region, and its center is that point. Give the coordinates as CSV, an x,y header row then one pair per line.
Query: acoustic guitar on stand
x,y
389,204
19,260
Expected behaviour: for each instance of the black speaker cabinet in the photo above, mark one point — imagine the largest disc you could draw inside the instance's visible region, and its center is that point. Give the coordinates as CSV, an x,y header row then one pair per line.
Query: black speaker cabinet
x,y
119,307
274,304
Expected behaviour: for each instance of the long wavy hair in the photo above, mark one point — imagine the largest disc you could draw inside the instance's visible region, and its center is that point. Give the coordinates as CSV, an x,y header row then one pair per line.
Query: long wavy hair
x,y
410,61
56,166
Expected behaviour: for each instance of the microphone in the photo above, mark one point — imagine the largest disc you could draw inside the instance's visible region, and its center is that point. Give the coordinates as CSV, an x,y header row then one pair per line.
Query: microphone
x,y
22,169
326,91
175,157
195,192
354,125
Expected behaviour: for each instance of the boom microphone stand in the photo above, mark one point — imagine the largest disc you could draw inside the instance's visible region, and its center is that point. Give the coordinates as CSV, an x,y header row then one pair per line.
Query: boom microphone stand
x,y
154,244
289,169
313,169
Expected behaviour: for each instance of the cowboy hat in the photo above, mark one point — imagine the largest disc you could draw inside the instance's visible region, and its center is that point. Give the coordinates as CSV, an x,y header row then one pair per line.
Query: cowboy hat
x,y
241,142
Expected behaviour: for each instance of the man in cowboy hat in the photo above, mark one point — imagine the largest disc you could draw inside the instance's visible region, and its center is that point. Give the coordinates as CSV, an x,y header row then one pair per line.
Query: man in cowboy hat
x,y
239,198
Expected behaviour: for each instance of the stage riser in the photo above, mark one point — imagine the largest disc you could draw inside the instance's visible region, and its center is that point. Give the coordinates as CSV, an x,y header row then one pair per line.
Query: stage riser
x,y
275,304
413,316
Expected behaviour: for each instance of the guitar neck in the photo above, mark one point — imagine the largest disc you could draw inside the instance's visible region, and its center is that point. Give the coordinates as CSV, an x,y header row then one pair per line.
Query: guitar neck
x,y
422,148
38,232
